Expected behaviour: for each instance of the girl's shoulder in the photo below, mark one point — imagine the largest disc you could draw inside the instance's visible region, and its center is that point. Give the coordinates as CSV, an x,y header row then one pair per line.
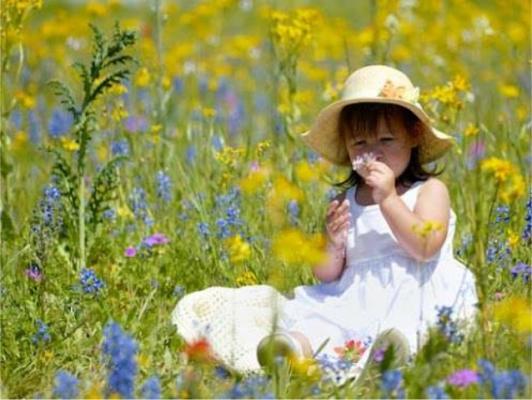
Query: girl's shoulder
x,y
433,186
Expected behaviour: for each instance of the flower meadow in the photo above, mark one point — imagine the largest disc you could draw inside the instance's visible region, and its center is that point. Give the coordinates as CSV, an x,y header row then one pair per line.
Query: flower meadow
x,y
151,149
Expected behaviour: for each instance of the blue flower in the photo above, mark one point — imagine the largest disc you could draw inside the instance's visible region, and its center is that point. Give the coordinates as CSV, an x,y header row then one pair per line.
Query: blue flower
x,y
293,211
521,270
503,385
436,393
203,229
527,231
191,154
42,334
90,283
447,326
120,148
119,350
66,385
178,291
164,186
151,388
391,382
60,123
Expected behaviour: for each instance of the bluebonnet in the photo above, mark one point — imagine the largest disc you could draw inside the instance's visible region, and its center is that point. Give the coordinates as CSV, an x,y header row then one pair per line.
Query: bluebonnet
x,y
16,119
217,142
447,326
502,385
293,211
42,334
391,383
203,229
251,387
502,214
120,148
50,204
221,372
90,283
191,154
229,205
34,127
223,228
110,214
151,388
119,350
177,84
178,291
164,186
66,385
527,231
335,369
436,393
497,251
60,123
139,206
521,270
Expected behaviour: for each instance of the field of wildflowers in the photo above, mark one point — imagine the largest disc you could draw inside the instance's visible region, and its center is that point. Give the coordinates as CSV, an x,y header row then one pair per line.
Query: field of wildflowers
x,y
150,149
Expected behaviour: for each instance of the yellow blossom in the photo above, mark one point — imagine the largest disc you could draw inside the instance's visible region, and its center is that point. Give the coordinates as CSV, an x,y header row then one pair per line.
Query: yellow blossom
x,y
295,247
261,148
118,89
255,180
208,112
238,249
229,156
514,312
306,172
119,113
307,369
510,91
501,169
471,130
513,239
125,212
94,392
246,278
69,144
427,228
26,100
102,151
142,78
20,139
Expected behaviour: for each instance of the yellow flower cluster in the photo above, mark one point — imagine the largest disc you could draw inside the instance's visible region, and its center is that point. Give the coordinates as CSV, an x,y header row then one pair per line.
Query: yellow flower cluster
x,y
450,93
511,182
514,312
307,172
239,250
293,31
279,195
246,278
427,228
295,247
255,180
230,156
143,77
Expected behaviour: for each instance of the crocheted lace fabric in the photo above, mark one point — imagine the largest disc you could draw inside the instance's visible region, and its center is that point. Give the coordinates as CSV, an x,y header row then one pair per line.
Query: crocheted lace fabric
x,y
233,320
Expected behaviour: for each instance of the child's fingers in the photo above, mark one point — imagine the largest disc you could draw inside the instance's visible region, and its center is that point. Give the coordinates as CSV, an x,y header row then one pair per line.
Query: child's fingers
x,y
332,206
337,222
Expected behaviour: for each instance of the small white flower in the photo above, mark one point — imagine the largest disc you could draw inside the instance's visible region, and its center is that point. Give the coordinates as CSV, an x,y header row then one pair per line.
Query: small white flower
x,y
363,160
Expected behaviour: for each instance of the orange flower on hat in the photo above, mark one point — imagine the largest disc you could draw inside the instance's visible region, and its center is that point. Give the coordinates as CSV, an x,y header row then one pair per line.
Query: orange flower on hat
x,y
199,351
391,91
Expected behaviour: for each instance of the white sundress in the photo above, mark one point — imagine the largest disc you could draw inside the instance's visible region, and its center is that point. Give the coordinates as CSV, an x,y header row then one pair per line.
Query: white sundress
x,y
381,287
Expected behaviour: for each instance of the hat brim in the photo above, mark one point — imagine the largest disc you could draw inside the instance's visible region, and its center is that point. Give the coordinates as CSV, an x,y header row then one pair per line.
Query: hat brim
x,y
324,136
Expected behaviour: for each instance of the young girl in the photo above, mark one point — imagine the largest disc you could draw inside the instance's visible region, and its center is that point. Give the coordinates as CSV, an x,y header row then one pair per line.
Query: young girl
x,y
390,264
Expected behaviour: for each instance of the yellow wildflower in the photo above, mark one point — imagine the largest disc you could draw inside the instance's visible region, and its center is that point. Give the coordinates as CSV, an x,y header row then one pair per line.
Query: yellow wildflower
x,y
238,249
514,189
471,130
460,83
307,369
255,180
229,156
19,140
118,89
119,113
26,100
94,392
96,9
102,151
514,312
306,172
501,169
69,144
125,212
513,239
261,148
510,91
295,247
427,228
208,112
246,278
142,78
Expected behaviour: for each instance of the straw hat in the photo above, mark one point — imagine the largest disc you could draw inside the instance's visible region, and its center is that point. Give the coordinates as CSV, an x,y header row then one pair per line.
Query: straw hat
x,y
374,84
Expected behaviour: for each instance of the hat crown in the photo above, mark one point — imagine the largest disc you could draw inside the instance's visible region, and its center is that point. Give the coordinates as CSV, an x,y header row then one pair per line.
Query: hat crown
x,y
373,80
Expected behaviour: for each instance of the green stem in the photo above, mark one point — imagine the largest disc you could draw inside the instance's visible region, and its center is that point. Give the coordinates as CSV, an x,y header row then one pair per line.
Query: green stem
x,y
81,220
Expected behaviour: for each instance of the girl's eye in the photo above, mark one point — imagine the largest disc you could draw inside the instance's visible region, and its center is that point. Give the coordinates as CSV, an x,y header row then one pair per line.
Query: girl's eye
x,y
359,143
387,139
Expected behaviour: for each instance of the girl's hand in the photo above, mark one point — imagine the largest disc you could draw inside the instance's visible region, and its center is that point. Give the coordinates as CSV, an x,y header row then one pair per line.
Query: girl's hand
x,y
338,220
382,181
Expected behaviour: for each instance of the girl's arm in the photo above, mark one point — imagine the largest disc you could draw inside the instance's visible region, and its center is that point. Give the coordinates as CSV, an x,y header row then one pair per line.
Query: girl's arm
x,y
337,224
433,205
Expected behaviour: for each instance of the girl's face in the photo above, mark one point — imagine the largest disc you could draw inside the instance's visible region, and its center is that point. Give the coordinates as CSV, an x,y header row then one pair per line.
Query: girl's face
x,y
392,146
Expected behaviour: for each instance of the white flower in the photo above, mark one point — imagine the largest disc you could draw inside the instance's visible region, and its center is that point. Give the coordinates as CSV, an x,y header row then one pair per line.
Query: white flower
x,y
363,160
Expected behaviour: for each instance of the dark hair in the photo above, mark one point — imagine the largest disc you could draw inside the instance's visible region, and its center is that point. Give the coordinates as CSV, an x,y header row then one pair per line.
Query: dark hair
x,y
363,119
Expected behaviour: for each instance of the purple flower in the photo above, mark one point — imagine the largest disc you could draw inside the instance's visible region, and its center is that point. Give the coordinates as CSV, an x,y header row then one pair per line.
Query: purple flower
x,y
130,252
521,270
378,356
476,151
136,124
156,239
34,272
463,378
